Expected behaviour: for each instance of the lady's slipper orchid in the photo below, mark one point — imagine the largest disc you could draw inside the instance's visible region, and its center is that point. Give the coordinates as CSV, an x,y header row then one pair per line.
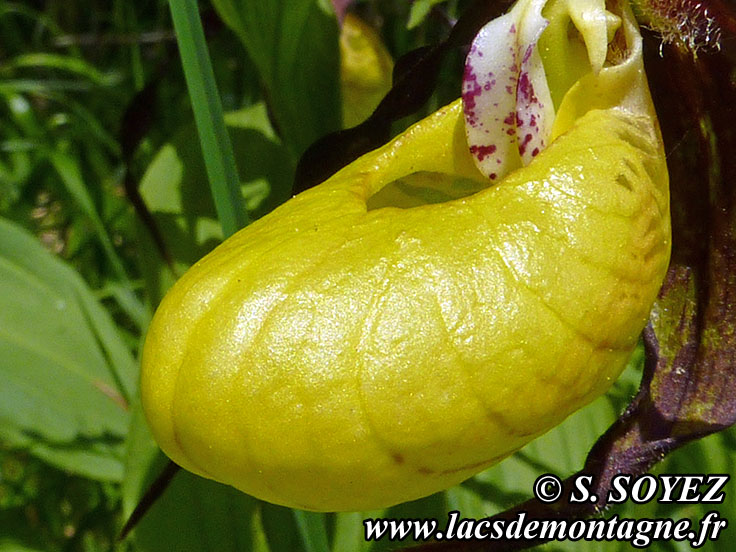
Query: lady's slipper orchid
x,y
344,354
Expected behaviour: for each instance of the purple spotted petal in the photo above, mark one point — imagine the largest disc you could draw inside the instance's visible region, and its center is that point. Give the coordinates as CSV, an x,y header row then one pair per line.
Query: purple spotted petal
x,y
506,102
534,109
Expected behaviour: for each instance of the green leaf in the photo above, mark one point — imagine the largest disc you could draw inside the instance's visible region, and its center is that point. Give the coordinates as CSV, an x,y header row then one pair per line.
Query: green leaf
x,y
349,534
312,530
184,211
39,18
66,375
67,64
215,141
419,11
294,45
42,86
280,528
127,301
67,166
71,175
15,535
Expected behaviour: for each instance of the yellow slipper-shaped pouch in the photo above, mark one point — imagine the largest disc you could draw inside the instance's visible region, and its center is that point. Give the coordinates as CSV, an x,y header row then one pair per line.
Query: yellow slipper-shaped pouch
x,y
362,346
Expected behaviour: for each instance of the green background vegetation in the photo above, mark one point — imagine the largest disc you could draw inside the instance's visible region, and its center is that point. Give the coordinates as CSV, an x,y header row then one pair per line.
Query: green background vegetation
x,y
80,273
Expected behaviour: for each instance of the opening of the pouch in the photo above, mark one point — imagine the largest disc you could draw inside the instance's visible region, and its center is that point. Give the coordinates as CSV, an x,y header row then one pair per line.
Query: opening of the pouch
x,y
423,188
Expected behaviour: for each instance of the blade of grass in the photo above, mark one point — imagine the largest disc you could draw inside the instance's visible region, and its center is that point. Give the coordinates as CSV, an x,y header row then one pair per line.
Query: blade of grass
x,y
67,64
349,532
126,19
312,530
216,146
43,85
71,176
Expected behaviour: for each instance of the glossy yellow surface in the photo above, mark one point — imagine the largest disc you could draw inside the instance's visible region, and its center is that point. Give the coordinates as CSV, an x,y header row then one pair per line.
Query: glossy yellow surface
x,y
332,357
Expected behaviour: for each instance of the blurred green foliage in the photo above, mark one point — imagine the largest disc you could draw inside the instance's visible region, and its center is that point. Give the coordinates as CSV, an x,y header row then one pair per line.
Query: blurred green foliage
x,y
92,96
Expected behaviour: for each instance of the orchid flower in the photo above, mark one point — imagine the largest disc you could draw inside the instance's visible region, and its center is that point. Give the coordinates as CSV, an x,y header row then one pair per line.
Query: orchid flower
x,y
521,67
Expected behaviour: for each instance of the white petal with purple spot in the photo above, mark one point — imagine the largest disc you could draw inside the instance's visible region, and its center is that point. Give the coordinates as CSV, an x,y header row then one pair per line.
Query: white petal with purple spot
x,y
506,100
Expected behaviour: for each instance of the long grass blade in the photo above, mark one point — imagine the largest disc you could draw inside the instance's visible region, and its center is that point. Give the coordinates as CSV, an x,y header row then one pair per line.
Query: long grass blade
x,y
216,147
312,530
